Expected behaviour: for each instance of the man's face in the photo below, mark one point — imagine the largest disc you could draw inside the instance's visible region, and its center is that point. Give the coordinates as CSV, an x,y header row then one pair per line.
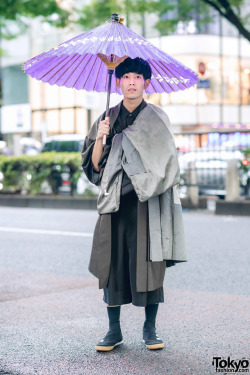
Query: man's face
x,y
132,85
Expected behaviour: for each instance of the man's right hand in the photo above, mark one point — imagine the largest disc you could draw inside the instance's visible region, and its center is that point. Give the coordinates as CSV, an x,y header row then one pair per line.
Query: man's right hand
x,y
103,128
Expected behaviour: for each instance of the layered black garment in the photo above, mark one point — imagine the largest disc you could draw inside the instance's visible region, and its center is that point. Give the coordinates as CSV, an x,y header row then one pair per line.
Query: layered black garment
x,y
111,248
121,288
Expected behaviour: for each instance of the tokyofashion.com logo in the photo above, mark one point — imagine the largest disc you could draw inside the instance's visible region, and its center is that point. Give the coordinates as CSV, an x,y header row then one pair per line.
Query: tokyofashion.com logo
x,y
230,365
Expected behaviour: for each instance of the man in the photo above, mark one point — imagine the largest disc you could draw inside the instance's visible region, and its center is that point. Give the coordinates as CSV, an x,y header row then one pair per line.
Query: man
x,y
140,213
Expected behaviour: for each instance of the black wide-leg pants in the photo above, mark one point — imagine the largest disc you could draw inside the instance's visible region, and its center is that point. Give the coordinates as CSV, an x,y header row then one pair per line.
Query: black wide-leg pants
x,y
121,287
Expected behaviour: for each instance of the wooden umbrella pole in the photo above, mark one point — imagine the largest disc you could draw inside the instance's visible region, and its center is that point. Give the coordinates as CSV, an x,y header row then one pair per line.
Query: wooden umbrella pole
x,y
110,72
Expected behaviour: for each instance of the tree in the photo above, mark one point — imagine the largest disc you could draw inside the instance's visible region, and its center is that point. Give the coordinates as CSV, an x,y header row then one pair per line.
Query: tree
x,y
169,12
231,10
97,12
19,10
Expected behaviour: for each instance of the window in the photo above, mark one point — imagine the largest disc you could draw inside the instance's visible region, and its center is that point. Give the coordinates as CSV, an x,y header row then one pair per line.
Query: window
x,y
245,81
14,85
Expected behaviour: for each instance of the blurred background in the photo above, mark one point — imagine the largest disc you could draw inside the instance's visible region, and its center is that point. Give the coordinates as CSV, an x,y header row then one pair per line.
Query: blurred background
x,y
211,121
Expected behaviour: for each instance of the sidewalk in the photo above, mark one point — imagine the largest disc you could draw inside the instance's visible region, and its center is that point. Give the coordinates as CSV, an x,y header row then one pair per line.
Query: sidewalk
x,y
55,332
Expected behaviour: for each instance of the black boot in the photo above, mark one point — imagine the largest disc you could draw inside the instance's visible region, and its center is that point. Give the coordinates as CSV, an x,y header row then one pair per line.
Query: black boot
x,y
114,336
150,337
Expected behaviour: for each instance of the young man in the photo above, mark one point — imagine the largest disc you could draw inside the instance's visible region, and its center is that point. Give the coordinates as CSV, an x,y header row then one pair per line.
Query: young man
x,y
139,230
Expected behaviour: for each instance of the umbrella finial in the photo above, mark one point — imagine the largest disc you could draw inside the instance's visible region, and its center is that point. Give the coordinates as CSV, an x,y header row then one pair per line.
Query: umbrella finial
x,y
115,18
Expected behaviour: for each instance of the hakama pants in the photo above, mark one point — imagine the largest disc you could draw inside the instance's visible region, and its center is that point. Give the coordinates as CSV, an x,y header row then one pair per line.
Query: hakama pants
x,y
121,287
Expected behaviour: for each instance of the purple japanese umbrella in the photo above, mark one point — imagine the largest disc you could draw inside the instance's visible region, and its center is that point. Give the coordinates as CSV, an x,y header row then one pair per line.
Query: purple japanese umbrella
x,y
88,61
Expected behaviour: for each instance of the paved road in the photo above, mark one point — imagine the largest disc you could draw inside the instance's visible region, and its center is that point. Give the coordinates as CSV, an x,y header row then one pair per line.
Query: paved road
x,y
52,314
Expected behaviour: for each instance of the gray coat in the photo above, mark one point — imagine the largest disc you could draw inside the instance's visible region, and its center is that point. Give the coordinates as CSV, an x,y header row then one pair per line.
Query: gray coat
x,y
156,184
147,152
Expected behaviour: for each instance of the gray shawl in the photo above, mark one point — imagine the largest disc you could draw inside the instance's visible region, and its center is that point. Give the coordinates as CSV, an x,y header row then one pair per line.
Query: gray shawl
x,y
147,152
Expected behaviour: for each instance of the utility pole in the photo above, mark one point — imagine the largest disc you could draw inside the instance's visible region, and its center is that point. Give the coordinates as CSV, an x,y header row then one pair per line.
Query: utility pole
x,y
240,80
221,72
1,86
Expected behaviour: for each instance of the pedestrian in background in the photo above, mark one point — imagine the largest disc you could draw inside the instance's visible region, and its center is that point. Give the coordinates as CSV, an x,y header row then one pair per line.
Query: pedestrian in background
x,y
139,231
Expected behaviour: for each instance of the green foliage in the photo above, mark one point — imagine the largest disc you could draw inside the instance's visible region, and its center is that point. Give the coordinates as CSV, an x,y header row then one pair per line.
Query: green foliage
x,y
169,12
15,11
27,173
98,12
12,9
247,152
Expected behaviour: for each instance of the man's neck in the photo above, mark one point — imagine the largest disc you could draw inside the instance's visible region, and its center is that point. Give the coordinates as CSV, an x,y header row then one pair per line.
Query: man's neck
x,y
131,105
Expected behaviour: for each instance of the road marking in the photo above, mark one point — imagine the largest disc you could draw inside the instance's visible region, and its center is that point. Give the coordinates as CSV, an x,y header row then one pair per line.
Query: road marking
x,y
43,231
230,219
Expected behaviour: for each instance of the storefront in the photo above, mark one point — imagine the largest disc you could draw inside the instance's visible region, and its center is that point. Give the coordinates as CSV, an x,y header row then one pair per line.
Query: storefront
x,y
220,101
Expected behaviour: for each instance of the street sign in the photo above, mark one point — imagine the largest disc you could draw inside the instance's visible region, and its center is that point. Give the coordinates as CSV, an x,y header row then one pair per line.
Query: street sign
x,y
202,68
16,118
204,84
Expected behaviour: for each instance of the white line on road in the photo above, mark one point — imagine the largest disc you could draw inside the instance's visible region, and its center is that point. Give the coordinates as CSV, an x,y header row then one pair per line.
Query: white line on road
x,y
42,231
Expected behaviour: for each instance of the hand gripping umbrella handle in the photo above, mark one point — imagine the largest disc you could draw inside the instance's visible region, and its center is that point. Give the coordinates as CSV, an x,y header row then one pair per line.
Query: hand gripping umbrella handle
x,y
105,137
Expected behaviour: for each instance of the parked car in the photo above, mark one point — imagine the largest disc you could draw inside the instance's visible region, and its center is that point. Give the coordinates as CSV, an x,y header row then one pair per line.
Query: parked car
x,y
245,166
63,143
67,143
209,166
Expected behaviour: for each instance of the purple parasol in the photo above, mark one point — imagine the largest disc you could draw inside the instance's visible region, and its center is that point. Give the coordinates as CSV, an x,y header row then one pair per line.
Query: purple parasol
x,y
82,62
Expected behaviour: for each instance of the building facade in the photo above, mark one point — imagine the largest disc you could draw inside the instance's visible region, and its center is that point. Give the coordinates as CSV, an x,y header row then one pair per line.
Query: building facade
x,y
221,100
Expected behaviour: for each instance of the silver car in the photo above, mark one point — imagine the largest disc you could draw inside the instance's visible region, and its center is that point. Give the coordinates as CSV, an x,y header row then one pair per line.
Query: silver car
x,y
206,168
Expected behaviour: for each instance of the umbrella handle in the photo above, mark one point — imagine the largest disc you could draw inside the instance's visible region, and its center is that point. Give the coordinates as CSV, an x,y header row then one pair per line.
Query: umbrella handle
x,y
110,72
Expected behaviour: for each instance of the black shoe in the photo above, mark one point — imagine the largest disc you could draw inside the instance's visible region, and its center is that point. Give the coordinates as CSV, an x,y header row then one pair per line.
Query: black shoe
x,y
113,338
150,337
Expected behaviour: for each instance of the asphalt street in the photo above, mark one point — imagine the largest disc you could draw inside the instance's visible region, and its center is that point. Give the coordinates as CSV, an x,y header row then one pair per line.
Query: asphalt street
x,y
52,313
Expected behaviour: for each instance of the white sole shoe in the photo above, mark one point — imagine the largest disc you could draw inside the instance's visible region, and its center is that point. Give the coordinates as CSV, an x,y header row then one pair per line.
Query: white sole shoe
x,y
101,348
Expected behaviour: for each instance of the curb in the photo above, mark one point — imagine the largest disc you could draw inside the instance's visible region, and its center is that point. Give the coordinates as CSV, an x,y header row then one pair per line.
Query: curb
x,y
187,203
240,208
59,202
68,202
